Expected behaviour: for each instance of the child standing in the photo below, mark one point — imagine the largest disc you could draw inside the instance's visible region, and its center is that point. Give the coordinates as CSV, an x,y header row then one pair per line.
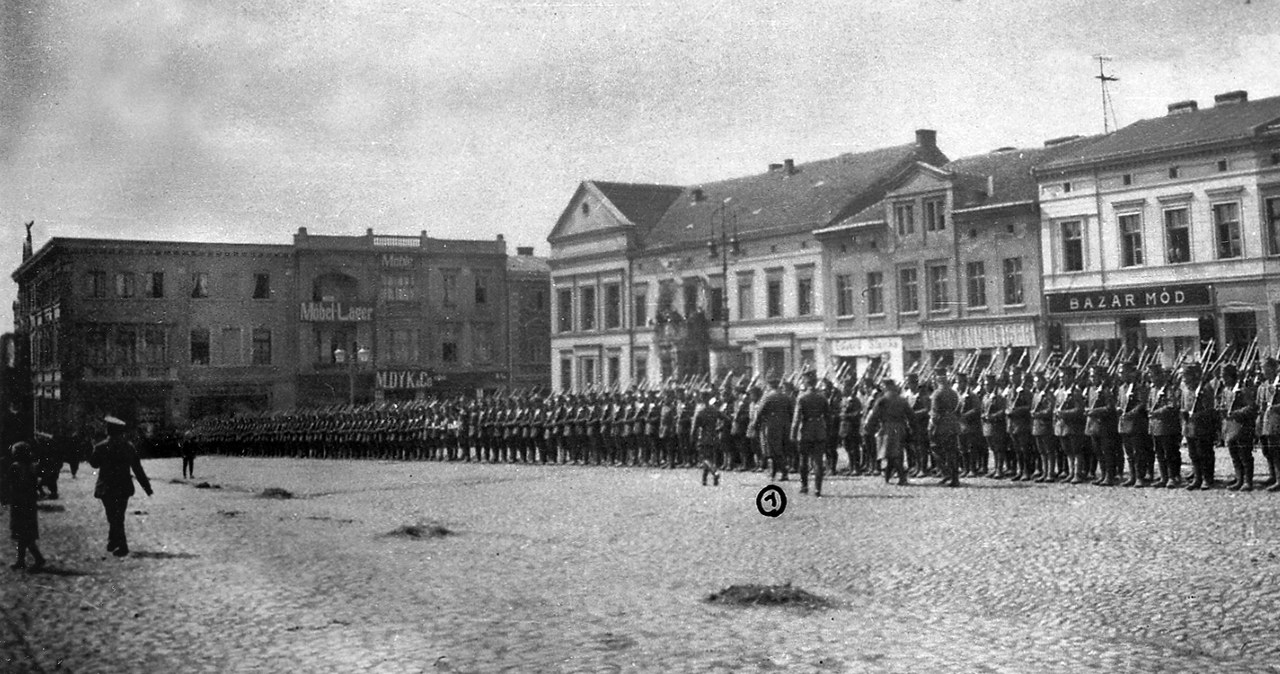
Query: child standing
x,y
23,524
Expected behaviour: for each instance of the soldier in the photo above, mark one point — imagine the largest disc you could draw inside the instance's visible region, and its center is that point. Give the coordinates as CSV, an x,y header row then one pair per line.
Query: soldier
x,y
917,394
809,432
833,397
1133,425
706,434
850,428
668,442
867,400
770,424
1238,410
1100,427
1165,426
944,428
115,458
1268,405
995,429
740,446
1068,424
684,430
891,421
1018,424
1198,426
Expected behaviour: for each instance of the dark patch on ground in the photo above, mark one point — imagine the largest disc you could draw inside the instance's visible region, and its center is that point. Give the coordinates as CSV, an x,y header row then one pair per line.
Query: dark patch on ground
x,y
326,518
144,554
276,493
206,485
614,642
228,513
177,481
421,530
141,512
767,595
51,508
57,571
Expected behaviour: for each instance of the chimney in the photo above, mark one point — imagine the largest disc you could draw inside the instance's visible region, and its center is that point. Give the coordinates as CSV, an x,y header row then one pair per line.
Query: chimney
x,y
775,167
1054,142
1231,98
1183,107
699,195
791,166
526,251
927,138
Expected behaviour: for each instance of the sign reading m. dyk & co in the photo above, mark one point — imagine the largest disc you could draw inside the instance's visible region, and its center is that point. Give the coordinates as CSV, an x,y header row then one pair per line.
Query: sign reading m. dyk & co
x,y
1188,296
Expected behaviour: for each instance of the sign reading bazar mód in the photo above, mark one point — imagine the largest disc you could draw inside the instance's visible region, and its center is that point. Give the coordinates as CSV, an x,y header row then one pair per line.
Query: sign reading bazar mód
x,y
335,312
1189,295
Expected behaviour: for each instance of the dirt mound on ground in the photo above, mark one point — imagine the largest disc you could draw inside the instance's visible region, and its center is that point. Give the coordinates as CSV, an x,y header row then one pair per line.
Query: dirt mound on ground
x,y
421,530
767,595
276,492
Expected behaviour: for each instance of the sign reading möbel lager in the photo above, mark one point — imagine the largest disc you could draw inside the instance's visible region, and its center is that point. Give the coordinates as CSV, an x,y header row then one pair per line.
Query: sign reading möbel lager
x,y
1152,297
335,312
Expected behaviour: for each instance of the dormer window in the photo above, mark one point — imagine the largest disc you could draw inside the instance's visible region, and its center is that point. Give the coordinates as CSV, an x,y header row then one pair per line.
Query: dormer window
x,y
586,208
1126,179
1066,187
1223,165
1174,172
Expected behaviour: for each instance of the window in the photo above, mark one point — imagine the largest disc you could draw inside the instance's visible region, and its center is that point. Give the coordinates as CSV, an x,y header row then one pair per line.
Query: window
x,y
397,287
1240,328
229,347
155,285
844,295
1174,172
262,286
95,284
905,217
804,296
1223,165
807,358
261,346
125,345
1273,224
1126,179
1226,226
199,285
612,306
588,315
482,288
640,305
449,343
566,371
199,346
935,219
613,370
1130,240
449,288
1013,281
690,291
564,319
875,293
482,343
746,299
126,284
153,345
587,370
773,297
908,290
1066,187
641,371
403,347
939,293
975,274
1177,235
716,300
1073,246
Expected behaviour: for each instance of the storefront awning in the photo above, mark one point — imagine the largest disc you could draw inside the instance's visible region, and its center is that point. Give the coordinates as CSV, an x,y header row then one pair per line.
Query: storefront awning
x,y
1183,326
1082,331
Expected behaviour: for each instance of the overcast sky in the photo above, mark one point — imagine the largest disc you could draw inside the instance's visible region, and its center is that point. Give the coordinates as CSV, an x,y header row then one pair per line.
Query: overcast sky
x,y
243,120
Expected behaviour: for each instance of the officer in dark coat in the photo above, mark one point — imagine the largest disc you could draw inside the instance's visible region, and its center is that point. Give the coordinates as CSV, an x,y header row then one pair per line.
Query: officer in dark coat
x,y
115,458
770,424
944,429
24,526
809,432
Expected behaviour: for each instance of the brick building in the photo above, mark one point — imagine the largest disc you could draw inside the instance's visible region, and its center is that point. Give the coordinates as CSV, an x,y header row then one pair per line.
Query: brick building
x,y
168,332
529,324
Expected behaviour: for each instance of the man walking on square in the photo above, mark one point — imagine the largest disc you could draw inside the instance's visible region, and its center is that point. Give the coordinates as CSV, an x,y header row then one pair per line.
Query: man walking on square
x,y
809,432
944,429
115,458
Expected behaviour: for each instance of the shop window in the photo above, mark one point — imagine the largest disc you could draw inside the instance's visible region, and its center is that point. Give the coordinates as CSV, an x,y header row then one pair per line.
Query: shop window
x,y
690,290
1239,328
613,370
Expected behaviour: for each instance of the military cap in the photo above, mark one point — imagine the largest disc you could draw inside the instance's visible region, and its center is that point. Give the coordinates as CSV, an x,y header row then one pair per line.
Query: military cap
x,y
113,421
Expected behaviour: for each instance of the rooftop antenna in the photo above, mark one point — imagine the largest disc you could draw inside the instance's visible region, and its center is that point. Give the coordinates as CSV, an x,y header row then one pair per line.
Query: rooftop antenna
x,y
1108,110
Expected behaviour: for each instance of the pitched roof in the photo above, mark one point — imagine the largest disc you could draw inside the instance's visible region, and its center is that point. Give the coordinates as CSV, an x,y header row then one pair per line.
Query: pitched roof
x,y
812,196
1221,123
1010,171
642,204
528,264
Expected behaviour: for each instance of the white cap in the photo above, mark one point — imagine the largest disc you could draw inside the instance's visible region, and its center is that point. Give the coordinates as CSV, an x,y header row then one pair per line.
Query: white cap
x,y
114,421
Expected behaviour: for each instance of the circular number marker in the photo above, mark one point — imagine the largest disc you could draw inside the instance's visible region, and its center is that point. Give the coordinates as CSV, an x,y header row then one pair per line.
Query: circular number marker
x,y
771,501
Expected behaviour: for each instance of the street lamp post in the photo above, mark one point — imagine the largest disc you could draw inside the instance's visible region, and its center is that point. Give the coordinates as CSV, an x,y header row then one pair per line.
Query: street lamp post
x,y
362,356
722,244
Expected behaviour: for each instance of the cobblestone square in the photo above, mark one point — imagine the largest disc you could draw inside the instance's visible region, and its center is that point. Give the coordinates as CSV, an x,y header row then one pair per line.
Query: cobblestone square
x,y
598,569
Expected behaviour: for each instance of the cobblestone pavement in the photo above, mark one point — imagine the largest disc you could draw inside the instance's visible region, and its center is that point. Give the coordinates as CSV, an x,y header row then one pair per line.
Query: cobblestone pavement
x,y
596,569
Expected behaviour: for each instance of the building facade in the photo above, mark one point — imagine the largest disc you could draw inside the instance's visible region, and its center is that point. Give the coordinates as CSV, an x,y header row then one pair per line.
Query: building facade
x,y
651,282
946,265
164,333
529,327
1166,233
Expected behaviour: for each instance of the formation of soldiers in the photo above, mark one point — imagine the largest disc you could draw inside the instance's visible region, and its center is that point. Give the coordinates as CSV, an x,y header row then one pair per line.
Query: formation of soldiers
x,y
1105,419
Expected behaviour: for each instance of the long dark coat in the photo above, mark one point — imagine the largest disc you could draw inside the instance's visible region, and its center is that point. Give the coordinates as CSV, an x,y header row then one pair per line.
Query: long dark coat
x,y
24,526
114,458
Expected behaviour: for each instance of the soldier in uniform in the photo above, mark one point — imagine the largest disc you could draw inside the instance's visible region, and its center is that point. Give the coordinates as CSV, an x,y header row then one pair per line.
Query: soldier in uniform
x,y
1018,423
944,428
995,428
706,434
771,423
115,458
850,428
809,432
1132,424
1068,424
917,394
742,457
1238,410
1268,404
971,447
1165,426
1100,427
1198,426
891,420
